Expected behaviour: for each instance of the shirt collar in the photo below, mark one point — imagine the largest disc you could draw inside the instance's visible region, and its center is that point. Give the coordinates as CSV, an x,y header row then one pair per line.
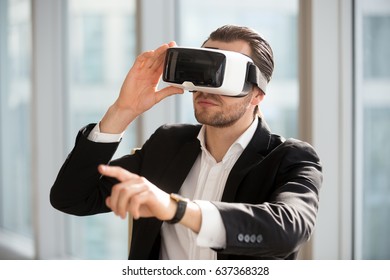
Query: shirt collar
x,y
246,137
241,141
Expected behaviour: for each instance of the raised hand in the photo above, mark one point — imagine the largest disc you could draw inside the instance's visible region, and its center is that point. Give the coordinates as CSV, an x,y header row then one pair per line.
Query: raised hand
x,y
139,91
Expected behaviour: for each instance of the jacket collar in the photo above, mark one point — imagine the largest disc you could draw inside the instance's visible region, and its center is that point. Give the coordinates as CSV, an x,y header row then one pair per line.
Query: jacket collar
x,y
253,154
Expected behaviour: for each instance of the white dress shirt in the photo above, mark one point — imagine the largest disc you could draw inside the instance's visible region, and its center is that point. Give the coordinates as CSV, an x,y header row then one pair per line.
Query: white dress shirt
x,y
204,183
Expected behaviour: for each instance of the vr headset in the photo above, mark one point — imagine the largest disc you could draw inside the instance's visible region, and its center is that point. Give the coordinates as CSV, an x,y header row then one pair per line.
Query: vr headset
x,y
212,70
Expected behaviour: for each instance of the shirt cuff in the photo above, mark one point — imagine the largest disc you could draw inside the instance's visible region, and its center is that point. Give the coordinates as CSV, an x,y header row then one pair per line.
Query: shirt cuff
x,y
212,232
96,136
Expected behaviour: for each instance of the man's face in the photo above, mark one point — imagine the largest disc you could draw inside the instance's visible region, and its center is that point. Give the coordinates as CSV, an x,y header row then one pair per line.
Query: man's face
x,y
218,110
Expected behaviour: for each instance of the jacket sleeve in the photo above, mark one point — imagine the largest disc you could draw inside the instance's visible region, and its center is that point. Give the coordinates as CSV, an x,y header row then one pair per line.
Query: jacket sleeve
x,y
78,188
278,226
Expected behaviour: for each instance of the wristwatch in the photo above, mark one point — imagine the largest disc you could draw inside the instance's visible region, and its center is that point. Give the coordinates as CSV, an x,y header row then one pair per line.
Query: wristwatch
x,y
181,208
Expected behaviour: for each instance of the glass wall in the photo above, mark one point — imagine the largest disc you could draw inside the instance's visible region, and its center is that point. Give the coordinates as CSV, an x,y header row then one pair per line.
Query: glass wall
x,y
101,37
277,21
372,128
15,110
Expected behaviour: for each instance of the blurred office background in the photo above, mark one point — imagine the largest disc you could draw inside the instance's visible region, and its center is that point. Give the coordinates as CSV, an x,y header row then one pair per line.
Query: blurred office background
x,y
62,63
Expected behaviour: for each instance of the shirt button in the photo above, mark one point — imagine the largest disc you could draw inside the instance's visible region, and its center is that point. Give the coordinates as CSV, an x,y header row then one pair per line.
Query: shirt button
x,y
247,238
259,238
240,237
253,238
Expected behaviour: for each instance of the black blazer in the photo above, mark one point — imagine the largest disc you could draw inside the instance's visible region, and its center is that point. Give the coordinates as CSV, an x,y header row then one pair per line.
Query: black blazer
x,y
269,204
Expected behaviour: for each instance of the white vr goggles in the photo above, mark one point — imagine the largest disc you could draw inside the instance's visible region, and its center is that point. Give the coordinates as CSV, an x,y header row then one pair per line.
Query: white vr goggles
x,y
212,70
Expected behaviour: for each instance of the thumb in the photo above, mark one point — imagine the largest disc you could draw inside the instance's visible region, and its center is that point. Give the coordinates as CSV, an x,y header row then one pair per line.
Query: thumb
x,y
108,202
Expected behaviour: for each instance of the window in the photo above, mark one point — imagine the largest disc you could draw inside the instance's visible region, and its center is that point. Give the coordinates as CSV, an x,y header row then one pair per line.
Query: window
x,y
91,70
100,48
372,129
277,21
15,110
101,51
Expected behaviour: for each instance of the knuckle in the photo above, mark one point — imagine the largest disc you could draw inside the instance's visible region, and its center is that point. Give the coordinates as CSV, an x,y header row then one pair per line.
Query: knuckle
x,y
116,188
123,191
143,180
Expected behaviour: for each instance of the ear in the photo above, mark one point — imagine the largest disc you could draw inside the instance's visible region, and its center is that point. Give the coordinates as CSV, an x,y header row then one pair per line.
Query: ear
x,y
257,96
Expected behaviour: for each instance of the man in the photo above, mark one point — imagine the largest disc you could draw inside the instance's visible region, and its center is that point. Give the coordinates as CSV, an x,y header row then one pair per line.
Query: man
x,y
245,193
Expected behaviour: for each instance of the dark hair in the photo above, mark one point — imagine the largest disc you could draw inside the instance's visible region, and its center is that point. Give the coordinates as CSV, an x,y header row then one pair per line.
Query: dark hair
x,y
261,52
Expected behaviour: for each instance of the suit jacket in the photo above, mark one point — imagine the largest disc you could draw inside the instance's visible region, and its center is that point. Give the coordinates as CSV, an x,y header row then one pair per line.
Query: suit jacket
x,y
269,204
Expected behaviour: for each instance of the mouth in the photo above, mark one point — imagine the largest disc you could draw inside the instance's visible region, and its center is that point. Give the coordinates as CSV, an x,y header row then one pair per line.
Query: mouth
x,y
206,101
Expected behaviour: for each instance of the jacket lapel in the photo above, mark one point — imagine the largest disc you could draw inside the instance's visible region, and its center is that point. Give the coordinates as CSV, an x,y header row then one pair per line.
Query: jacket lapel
x,y
180,166
253,154
171,181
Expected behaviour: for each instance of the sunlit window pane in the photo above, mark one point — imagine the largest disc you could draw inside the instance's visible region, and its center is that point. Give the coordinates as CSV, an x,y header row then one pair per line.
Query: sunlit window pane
x,y
373,112
376,40
277,22
15,108
101,51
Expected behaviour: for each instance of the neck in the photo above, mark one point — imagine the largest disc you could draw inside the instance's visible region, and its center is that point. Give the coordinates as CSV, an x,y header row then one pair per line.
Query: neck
x,y
219,139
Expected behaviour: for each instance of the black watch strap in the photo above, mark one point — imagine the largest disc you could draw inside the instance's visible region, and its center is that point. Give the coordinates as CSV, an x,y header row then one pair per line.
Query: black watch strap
x,y
180,210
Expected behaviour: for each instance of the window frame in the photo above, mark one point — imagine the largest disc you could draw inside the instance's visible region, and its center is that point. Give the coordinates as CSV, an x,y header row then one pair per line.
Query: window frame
x,y
326,118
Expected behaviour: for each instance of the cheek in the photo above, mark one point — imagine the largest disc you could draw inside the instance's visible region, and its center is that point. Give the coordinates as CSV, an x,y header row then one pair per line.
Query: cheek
x,y
231,102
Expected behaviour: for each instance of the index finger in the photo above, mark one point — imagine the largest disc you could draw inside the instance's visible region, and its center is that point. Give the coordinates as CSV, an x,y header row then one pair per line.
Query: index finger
x,y
116,172
159,55
157,58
